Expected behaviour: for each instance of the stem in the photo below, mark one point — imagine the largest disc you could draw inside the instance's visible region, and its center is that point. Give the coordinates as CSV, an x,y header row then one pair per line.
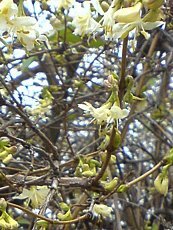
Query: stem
x,y
123,70
142,177
143,79
81,218
110,149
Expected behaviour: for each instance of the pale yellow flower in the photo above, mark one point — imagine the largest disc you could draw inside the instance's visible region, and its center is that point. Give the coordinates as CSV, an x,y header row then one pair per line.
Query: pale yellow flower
x,y
103,210
107,113
8,10
118,23
100,114
27,31
83,20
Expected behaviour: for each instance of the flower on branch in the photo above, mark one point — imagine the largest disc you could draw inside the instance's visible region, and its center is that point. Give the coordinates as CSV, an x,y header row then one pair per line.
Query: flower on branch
x,y
129,19
8,10
102,210
83,21
27,31
107,113
25,28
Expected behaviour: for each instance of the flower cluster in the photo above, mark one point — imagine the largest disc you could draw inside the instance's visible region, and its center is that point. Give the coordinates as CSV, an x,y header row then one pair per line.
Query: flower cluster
x,y
25,28
116,20
6,221
6,151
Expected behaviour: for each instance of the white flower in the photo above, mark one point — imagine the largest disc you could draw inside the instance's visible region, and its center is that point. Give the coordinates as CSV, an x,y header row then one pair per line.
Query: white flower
x,y
108,23
103,210
100,114
121,30
106,113
24,27
127,20
108,20
82,19
8,10
27,31
117,113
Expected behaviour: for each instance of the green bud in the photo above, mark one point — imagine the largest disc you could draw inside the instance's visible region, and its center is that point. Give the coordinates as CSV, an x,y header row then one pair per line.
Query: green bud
x,y
113,159
7,159
4,141
122,188
161,184
66,216
3,154
78,171
42,223
169,157
105,142
94,162
109,186
129,81
85,167
117,139
3,204
128,97
64,206
3,223
7,222
12,223
89,173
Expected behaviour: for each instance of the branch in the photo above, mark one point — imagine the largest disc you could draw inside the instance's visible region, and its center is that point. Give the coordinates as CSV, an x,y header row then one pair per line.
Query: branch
x,y
123,70
81,218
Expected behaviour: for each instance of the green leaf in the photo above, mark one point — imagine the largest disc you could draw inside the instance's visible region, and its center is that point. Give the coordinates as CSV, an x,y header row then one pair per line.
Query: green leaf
x,y
70,37
36,194
96,43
